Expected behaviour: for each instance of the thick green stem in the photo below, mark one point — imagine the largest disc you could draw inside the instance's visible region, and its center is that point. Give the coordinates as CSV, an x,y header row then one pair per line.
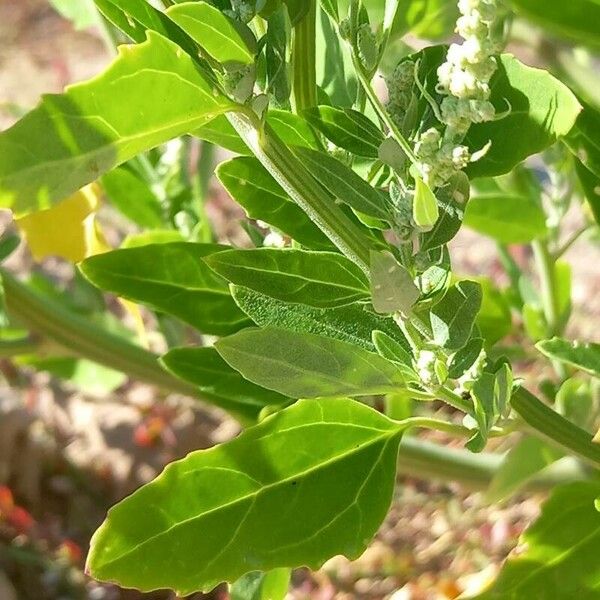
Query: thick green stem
x,y
304,88
546,423
80,337
301,186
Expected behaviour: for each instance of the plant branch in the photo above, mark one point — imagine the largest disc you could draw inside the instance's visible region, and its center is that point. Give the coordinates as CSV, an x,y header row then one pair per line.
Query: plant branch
x,y
304,83
548,424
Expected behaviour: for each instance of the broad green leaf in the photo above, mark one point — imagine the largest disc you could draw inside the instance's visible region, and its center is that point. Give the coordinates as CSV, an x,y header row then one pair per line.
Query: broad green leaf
x,y
425,207
453,317
171,278
252,186
215,32
353,324
428,19
584,139
522,462
308,483
577,20
152,236
584,356
392,287
331,8
272,585
205,368
577,401
72,139
276,54
135,17
542,109
303,365
343,183
83,13
133,197
507,218
559,557
319,279
347,129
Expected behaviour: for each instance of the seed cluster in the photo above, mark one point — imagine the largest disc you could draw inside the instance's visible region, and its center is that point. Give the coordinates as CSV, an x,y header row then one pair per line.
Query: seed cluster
x,y
464,80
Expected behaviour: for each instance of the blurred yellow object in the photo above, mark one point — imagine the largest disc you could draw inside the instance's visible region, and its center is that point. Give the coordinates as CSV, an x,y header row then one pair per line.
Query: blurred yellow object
x,y
67,230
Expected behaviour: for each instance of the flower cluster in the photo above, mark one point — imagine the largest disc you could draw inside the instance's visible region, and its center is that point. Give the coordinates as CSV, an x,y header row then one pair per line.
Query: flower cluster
x,y
465,81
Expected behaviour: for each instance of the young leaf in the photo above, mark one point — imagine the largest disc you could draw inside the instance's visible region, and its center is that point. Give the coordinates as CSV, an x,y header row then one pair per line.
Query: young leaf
x,y
584,356
391,349
523,461
205,368
392,287
343,183
465,358
353,324
347,129
425,207
303,365
319,279
215,32
584,139
590,183
560,550
252,186
72,139
310,482
172,278
507,218
453,317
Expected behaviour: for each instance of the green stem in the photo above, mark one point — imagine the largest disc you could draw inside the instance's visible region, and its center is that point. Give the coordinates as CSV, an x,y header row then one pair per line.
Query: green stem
x,y
554,428
301,186
50,320
567,245
18,347
304,58
380,110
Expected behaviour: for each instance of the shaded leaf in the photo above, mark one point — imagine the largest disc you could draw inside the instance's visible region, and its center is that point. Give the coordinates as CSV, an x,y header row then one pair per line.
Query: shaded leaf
x,y
392,287
272,585
172,278
303,365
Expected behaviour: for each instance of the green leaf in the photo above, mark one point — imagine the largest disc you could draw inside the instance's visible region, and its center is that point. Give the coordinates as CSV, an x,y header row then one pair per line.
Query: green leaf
x,y
523,461
72,139
133,197
303,365
590,183
507,218
83,13
494,319
584,356
425,207
392,287
347,129
252,186
215,32
272,585
584,139
331,8
343,183
353,324
391,349
292,129
276,53
308,483
205,368
453,317
576,20
171,278
319,279
428,19
560,551
542,109
220,131
465,358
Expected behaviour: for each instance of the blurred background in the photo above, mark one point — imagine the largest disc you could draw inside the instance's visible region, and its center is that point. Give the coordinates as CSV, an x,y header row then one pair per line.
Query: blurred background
x,y
76,437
